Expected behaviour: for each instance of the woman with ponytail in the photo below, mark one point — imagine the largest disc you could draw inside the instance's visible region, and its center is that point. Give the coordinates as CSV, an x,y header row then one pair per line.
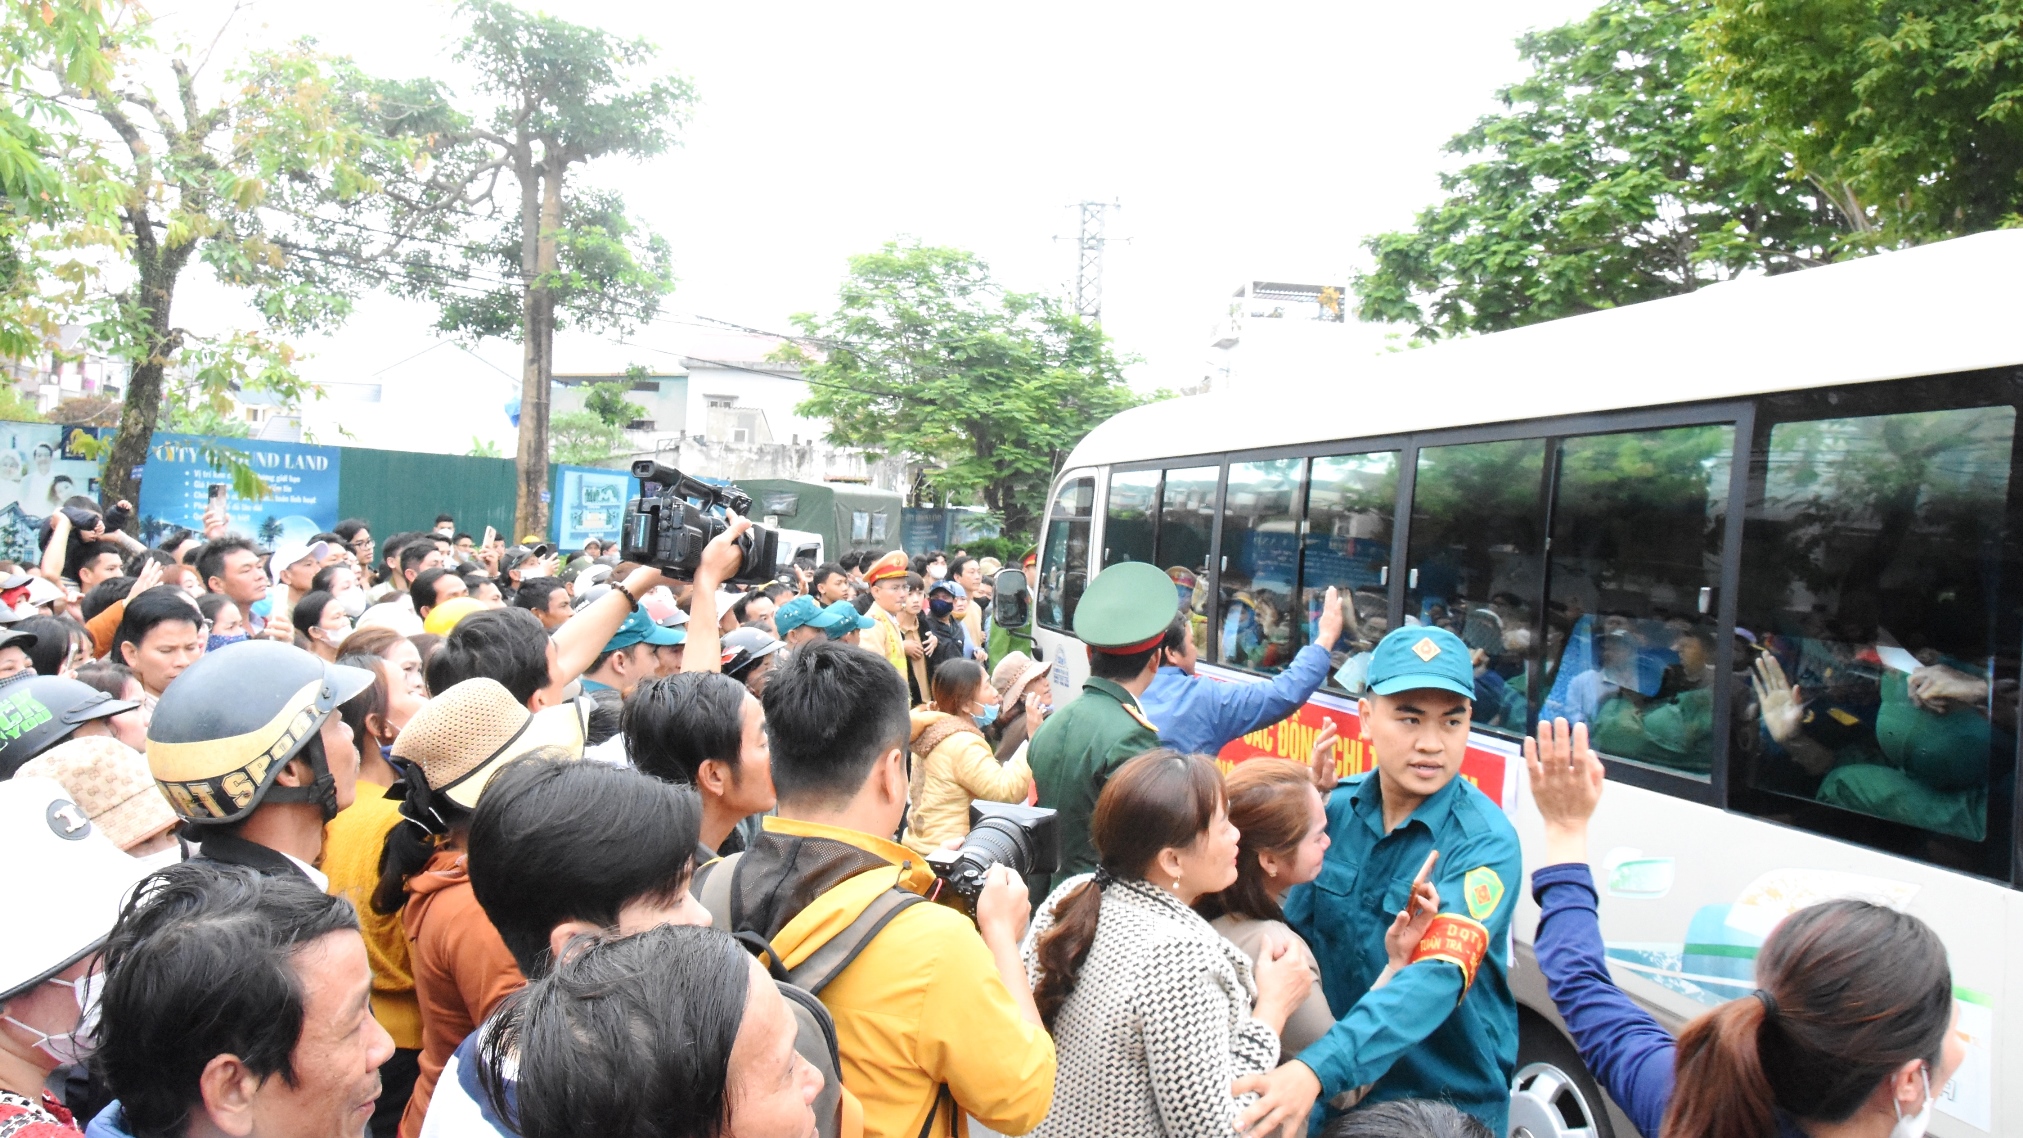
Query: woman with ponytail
x,y
1849,1033
1153,1013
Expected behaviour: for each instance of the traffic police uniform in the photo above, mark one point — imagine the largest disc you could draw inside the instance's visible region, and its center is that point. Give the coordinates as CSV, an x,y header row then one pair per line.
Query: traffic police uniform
x,y
1445,1027
1125,610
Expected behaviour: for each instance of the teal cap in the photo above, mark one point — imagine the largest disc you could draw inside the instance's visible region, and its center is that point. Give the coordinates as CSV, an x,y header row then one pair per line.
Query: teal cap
x,y
1421,656
639,628
795,613
840,619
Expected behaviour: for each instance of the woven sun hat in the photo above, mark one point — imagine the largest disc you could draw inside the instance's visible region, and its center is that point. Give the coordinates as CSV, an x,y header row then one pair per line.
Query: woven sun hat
x,y
110,782
461,738
1013,673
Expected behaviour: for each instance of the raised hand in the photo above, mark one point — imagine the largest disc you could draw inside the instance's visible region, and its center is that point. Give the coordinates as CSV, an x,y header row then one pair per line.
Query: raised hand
x,y
1566,783
1326,774
1782,710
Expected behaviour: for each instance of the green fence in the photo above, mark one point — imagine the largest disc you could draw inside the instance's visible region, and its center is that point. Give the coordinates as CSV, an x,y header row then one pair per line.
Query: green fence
x,y
395,490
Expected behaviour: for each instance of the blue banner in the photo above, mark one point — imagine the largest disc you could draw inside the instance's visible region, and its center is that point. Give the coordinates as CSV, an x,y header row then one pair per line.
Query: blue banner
x,y
301,488
589,502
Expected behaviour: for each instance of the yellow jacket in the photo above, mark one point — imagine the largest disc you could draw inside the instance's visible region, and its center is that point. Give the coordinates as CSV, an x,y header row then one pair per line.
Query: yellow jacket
x,y
922,1006
958,765
883,637
351,846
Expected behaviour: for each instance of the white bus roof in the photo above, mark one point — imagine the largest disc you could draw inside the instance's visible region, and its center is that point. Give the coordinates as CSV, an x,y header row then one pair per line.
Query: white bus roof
x,y
1945,307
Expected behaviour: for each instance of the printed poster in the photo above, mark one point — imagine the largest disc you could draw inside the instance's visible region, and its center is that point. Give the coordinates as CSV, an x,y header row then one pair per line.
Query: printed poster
x,y
301,480
590,502
40,466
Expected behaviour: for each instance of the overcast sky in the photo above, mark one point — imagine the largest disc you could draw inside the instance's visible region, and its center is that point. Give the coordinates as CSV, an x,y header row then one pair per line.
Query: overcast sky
x,y
1245,142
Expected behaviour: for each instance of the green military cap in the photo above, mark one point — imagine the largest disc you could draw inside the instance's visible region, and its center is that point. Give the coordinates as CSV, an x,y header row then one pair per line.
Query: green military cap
x,y
1126,609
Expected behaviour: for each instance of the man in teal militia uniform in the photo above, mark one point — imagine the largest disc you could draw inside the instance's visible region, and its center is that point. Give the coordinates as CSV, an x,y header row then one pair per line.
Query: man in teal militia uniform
x,y
1122,617
1446,1026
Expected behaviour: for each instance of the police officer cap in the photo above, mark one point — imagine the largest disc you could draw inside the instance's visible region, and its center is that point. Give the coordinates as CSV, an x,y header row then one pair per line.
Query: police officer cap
x,y
38,712
1418,657
1126,609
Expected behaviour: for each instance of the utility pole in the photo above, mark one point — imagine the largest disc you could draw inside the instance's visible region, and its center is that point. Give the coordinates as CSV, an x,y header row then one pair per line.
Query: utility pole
x,y
1089,260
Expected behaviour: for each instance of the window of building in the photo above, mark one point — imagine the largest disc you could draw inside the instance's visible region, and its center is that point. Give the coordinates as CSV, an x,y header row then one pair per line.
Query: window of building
x,y
1878,598
1185,535
1351,500
1261,623
1064,563
639,425
1638,520
1131,518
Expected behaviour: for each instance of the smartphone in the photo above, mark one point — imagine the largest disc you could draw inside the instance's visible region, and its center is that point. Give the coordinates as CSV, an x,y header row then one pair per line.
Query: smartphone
x,y
218,494
490,535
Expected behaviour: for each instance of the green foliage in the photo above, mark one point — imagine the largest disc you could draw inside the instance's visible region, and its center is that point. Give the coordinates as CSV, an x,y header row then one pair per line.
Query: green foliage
x,y
607,401
926,357
16,407
581,438
1601,185
483,448
1908,116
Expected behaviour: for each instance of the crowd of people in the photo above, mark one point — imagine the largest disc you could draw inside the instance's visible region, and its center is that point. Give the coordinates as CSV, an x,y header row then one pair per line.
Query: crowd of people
x,y
443,837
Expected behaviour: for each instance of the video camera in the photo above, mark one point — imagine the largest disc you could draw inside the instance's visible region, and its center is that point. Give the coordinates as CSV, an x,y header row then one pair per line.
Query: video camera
x,y
675,516
1027,838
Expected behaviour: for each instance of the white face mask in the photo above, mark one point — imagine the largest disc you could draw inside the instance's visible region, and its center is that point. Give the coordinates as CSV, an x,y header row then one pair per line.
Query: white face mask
x,y
1914,1126
73,1046
937,571
353,602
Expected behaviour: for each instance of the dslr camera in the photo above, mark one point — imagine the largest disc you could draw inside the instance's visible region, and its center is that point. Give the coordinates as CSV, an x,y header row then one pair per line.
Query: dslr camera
x,y
1027,838
675,516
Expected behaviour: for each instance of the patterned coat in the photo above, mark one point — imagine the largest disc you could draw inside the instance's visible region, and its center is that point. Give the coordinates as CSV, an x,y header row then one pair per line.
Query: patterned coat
x,y
1158,1025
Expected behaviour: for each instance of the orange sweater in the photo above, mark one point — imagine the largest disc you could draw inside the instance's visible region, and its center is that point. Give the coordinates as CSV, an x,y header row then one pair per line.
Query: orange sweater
x,y
461,970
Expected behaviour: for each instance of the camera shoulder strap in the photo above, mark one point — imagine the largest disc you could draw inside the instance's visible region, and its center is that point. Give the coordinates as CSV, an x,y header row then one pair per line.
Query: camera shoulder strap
x,y
711,885
828,962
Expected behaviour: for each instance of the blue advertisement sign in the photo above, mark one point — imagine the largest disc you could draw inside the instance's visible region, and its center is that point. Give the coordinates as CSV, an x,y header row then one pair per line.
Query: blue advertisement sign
x,y
589,502
301,488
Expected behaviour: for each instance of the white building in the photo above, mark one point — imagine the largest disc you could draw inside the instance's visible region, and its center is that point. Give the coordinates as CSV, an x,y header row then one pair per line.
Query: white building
x,y
1277,328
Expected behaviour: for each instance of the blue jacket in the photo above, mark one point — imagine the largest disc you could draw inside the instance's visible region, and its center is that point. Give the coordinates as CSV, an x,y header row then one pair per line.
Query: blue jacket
x,y
1624,1048
1421,1035
1197,714
108,1123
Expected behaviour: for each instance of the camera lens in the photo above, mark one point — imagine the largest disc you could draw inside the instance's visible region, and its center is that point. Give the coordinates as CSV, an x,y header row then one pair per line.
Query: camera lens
x,y
993,841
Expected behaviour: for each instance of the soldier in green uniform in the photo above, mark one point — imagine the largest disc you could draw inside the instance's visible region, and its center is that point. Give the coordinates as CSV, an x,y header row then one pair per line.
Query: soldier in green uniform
x,y
1122,617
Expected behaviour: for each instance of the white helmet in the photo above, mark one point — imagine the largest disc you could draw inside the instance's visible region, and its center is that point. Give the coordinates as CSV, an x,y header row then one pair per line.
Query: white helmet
x,y
67,880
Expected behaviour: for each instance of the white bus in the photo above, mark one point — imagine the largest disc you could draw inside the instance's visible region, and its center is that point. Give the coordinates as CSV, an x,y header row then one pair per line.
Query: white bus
x,y
1814,477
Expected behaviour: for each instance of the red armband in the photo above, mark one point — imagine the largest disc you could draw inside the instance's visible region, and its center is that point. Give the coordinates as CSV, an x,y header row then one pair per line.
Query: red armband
x,y
1457,940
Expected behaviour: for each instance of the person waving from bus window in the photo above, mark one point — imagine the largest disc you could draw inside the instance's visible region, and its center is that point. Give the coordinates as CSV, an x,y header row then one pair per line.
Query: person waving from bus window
x,y
1446,1025
1850,1031
1197,715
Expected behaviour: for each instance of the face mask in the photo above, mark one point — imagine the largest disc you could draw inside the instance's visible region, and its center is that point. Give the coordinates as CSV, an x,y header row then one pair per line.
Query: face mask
x,y
216,641
941,606
987,717
72,1047
1914,1126
937,571
352,602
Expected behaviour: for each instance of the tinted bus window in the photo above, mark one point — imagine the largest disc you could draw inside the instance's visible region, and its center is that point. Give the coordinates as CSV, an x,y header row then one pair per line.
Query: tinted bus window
x,y
1350,502
1637,525
1872,582
1064,563
1477,545
1186,529
1260,562
1129,518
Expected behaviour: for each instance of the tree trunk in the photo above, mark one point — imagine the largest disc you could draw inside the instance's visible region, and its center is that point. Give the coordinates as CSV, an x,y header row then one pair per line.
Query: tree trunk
x,y
143,404
541,222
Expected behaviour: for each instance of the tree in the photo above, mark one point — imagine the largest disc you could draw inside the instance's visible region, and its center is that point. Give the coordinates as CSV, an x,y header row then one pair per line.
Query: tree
x,y
1909,117
561,95
926,356
1606,181
580,438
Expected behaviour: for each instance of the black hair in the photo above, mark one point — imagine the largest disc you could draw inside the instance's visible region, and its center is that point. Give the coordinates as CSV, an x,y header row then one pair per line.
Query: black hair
x,y
347,530
741,608
177,535
956,564
827,570
201,964
389,550
423,590
508,645
369,701
607,710
554,840
535,591
406,851
104,595
441,518
210,604
195,553
1407,1118
415,552
1177,635
463,537
327,576
52,641
159,605
847,562
107,676
673,724
627,1036
777,591
1118,667
90,551
159,555
211,563
830,712
308,611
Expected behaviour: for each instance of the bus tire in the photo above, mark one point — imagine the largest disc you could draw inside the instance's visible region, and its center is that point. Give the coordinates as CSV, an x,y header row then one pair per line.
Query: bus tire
x,y
1553,1095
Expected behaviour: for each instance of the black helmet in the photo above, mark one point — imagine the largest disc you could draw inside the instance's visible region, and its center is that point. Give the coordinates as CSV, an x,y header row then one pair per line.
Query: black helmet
x,y
745,647
233,719
38,712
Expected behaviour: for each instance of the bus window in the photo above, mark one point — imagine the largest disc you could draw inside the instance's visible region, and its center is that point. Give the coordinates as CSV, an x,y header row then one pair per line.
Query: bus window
x,y
1477,544
1637,524
1064,563
1186,527
1260,559
1872,584
1128,520
1350,501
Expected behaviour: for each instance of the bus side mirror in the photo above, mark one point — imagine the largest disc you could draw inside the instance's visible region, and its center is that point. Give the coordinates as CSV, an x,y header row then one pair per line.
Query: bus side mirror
x,y
1011,606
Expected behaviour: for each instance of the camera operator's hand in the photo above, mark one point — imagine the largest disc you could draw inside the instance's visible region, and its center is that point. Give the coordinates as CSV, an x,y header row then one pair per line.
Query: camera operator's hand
x,y
719,562
1001,911
722,558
